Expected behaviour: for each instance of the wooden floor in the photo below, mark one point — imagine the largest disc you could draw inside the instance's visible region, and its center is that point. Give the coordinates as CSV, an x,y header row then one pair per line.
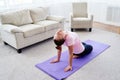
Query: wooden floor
x,y
111,28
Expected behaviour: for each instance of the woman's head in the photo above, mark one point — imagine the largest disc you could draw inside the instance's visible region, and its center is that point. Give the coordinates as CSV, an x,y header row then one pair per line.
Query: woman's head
x,y
59,38
59,42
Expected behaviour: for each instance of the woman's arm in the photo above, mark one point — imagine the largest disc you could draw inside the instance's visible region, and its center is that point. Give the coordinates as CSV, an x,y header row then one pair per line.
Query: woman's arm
x,y
59,50
69,67
59,53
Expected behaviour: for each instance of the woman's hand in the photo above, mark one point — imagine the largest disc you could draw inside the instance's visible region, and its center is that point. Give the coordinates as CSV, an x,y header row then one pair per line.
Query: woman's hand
x,y
59,48
55,60
58,55
68,68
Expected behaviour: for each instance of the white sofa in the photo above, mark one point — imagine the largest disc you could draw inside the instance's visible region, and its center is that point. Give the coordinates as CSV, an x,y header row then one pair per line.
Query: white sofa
x,y
26,27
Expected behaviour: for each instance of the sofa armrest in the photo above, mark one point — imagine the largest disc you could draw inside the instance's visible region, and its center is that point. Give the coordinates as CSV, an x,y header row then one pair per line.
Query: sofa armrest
x,y
56,18
11,28
90,17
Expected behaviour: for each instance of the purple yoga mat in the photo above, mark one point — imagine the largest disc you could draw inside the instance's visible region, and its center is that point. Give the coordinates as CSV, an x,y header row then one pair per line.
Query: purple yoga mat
x,y
56,70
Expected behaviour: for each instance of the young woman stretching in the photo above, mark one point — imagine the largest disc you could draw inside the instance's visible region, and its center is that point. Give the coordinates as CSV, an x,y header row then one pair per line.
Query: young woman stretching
x,y
75,46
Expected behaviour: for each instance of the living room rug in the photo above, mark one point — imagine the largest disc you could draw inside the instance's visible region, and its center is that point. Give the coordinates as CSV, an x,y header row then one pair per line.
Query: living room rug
x,y
56,70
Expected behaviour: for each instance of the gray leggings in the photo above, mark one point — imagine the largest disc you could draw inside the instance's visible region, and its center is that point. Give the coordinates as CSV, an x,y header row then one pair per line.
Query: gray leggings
x,y
88,49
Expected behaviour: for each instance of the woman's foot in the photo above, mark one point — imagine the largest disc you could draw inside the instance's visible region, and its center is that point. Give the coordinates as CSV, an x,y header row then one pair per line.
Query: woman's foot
x,y
75,56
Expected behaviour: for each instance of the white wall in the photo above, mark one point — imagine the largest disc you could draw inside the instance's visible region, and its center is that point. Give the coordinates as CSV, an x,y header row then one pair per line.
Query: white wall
x,y
98,10
61,9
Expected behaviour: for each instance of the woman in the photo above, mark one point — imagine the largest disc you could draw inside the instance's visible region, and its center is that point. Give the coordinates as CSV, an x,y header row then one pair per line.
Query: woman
x,y
75,46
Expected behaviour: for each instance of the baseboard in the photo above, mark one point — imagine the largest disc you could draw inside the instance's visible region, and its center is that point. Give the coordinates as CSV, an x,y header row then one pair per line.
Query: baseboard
x,y
108,27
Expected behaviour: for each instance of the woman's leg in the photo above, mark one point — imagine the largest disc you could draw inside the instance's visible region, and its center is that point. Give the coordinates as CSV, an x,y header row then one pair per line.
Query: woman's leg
x,y
88,49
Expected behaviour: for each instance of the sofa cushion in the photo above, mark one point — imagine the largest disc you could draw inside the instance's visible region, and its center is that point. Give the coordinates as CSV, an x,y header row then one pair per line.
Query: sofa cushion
x,y
31,29
81,19
49,25
16,18
77,21
38,14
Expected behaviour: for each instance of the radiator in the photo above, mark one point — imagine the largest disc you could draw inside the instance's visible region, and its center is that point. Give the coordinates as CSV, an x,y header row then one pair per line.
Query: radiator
x,y
113,14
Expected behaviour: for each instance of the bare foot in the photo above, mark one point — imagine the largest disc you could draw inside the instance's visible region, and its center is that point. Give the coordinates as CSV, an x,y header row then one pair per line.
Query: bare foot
x,y
75,56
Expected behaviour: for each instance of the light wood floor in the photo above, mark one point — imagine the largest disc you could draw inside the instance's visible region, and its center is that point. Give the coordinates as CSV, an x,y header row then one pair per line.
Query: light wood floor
x,y
107,27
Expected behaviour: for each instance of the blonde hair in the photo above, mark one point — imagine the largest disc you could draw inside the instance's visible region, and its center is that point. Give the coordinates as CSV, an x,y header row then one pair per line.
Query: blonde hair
x,y
59,35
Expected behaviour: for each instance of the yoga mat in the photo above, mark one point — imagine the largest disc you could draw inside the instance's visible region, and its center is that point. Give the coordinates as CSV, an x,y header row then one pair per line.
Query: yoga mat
x,y
56,70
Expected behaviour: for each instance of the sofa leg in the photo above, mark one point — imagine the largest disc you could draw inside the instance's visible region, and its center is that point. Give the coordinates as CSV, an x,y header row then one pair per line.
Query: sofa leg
x,y
19,50
90,29
72,29
5,43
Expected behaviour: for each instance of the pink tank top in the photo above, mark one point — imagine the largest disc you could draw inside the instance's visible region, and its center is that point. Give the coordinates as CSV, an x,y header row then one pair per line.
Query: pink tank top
x,y
73,39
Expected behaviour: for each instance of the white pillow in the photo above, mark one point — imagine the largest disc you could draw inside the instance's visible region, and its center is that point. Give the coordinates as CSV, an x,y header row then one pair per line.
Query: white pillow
x,y
17,18
38,14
